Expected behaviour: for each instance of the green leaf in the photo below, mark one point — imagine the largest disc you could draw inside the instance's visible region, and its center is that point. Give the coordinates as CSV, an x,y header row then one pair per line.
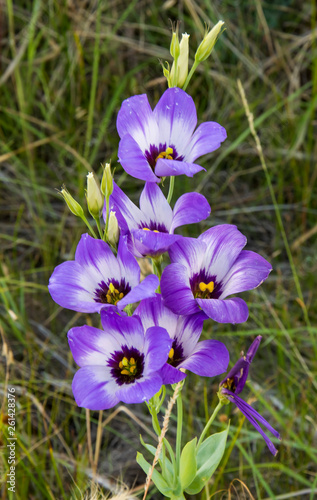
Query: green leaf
x,y
208,457
166,465
188,463
157,479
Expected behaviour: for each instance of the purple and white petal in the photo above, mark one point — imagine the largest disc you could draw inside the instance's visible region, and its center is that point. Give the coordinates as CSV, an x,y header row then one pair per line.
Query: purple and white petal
x,y
166,168
128,215
176,116
225,311
144,290
210,358
171,375
188,332
248,271
157,346
152,244
176,292
133,160
207,138
223,245
190,253
141,390
129,267
189,209
93,388
154,205
152,312
96,257
129,330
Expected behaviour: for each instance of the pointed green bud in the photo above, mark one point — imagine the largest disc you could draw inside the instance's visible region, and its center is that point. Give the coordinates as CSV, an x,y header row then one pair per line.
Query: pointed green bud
x,y
107,182
72,204
94,196
182,62
205,48
113,229
175,48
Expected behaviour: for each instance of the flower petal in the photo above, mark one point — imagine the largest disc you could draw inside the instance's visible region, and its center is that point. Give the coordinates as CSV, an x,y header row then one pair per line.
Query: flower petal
x,y
144,290
154,205
207,138
127,329
128,215
188,331
94,389
91,346
171,375
165,168
190,208
248,271
176,290
148,243
224,243
133,160
156,349
129,267
190,253
209,359
176,117
152,312
136,119
225,311
141,390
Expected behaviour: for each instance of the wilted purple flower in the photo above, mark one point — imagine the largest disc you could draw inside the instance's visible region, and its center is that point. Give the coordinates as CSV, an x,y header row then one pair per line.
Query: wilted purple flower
x,y
162,142
97,279
233,384
121,363
150,228
206,270
207,358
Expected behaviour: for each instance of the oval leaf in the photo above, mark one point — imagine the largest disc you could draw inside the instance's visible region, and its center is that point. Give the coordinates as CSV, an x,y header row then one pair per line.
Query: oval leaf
x,y
157,479
188,463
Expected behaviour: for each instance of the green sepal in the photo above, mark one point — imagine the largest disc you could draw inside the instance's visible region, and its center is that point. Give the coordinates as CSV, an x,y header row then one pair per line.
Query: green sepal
x,y
188,463
157,478
208,457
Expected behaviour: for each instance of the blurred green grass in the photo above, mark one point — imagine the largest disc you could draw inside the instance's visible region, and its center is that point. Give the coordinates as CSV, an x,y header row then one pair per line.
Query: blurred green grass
x,y
65,69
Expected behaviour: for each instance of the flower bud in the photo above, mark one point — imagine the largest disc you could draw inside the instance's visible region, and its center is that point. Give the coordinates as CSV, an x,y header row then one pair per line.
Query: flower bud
x,y
208,43
113,229
72,204
107,182
95,200
182,63
175,48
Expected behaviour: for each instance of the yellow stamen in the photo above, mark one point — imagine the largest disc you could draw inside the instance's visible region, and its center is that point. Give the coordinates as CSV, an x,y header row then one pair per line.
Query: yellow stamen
x,y
111,288
120,295
203,287
132,369
166,154
155,231
125,361
120,364
146,229
171,353
125,372
132,361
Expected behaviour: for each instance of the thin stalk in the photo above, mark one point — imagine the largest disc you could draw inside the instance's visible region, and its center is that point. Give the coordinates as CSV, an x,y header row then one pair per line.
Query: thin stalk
x,y
99,227
83,218
171,189
179,432
91,460
210,421
157,267
190,74
107,218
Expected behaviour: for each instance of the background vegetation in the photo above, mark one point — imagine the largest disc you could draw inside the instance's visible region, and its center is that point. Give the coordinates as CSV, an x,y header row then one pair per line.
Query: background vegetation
x,y
66,66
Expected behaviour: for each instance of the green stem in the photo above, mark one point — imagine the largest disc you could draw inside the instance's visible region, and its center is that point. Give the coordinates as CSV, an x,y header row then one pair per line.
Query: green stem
x,y
179,432
170,189
83,218
189,76
99,227
210,421
157,267
107,217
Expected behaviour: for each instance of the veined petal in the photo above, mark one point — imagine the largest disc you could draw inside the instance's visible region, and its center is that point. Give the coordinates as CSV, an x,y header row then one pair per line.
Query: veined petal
x,y
91,346
152,312
128,215
171,375
209,359
144,290
96,256
176,117
224,244
190,208
133,160
140,390
190,253
166,168
225,311
94,389
136,119
151,243
156,348
248,271
207,138
128,330
188,331
129,267
176,290
154,205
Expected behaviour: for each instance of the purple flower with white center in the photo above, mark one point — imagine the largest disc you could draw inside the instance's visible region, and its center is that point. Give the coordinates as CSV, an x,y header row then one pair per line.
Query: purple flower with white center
x,y
207,358
162,142
150,228
233,384
206,270
121,363
97,279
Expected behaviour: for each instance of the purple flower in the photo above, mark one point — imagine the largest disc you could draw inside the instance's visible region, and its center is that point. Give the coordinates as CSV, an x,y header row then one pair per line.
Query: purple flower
x,y
150,228
207,358
162,142
206,270
121,363
97,279
233,384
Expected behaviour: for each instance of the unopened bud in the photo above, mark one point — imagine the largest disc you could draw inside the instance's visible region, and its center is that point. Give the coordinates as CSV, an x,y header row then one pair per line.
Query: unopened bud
x,y
175,48
182,63
107,181
208,43
72,204
95,199
113,229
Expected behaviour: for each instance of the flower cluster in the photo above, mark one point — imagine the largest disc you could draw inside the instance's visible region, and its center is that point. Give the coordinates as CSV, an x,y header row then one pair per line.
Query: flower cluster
x,y
135,353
